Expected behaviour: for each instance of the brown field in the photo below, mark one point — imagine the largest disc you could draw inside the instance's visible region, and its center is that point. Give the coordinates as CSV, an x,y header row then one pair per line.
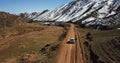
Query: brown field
x,y
26,47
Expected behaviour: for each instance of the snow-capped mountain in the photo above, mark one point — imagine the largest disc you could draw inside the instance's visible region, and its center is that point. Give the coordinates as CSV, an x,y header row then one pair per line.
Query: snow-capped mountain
x,y
32,15
86,11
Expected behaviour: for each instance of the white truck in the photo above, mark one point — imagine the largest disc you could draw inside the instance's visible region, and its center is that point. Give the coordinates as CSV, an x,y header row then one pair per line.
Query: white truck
x,y
72,40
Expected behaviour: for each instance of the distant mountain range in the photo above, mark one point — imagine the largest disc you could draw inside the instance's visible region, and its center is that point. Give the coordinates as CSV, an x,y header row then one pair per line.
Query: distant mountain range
x,y
82,11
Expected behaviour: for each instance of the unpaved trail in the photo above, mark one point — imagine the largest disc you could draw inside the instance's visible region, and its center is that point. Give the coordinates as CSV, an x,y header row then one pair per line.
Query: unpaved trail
x,y
70,53
2,41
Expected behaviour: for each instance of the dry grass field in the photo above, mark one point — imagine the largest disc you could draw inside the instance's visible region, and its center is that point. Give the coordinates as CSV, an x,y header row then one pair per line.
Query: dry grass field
x,y
104,47
25,48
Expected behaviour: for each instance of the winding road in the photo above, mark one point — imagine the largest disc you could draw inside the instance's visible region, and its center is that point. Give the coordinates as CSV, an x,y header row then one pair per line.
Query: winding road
x,y
71,53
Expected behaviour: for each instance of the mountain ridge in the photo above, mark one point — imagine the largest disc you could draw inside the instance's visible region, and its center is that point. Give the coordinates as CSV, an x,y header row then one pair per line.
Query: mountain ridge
x,y
86,11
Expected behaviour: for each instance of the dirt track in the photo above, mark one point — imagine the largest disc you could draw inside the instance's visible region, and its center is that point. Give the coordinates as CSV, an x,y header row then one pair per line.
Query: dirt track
x,y
70,53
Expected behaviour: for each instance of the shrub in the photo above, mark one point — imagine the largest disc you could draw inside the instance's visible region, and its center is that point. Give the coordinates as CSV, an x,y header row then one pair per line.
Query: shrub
x,y
89,36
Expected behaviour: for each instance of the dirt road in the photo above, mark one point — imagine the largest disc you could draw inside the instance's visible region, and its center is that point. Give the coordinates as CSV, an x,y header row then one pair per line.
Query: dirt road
x,y
70,53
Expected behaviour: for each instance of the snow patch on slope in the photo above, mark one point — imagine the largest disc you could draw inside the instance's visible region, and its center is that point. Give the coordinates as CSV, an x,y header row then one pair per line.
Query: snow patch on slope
x,y
82,10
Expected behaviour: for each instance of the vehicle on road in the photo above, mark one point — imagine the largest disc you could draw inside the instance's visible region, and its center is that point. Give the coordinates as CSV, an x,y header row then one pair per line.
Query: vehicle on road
x,y
72,40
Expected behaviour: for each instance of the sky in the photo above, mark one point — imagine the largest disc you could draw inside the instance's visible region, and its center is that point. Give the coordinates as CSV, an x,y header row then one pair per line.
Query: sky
x,y
20,6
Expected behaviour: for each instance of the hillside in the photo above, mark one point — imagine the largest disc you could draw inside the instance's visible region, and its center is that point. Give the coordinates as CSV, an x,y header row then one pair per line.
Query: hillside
x,y
104,46
12,25
84,11
10,20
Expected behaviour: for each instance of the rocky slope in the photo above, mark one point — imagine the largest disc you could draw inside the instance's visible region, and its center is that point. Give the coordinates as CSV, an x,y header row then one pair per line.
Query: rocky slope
x,y
84,11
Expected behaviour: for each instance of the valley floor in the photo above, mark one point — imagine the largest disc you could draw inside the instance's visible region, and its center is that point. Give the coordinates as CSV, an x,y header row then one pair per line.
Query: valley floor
x,y
27,47
70,52
45,44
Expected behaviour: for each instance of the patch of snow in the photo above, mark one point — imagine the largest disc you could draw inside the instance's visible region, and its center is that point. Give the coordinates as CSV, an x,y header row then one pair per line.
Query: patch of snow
x,y
118,28
82,9
88,20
